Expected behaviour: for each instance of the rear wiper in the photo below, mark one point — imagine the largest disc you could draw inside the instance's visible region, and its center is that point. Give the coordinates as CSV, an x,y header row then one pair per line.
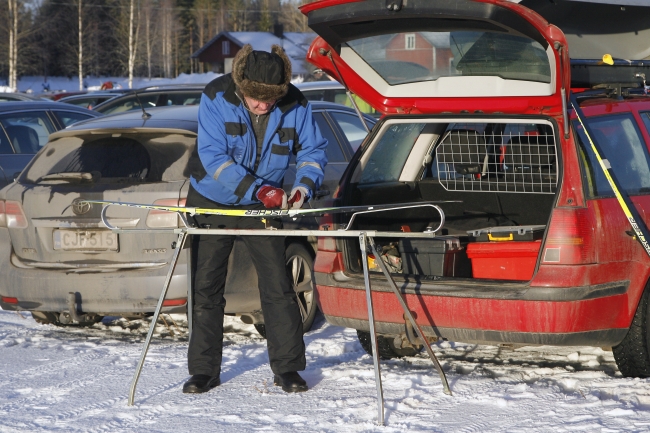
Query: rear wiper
x,y
72,177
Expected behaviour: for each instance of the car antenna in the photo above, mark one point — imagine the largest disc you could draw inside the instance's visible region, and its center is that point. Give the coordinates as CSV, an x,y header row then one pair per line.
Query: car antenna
x,y
145,115
322,52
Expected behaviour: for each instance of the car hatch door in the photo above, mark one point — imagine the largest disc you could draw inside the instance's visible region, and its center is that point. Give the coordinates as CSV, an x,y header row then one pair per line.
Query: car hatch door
x,y
449,56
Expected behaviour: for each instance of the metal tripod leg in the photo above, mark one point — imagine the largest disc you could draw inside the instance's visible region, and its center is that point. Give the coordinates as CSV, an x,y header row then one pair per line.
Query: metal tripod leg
x,y
408,314
179,247
373,334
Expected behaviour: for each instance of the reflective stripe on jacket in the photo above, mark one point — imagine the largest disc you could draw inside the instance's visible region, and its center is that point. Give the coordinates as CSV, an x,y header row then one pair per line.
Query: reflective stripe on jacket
x,y
227,148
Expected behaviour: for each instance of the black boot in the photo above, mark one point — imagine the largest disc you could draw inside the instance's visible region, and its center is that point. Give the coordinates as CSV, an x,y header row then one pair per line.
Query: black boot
x,y
200,383
290,382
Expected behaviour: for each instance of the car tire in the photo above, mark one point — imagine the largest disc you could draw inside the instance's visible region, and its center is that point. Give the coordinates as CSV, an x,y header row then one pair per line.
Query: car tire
x,y
386,346
300,264
51,318
45,317
632,355
261,329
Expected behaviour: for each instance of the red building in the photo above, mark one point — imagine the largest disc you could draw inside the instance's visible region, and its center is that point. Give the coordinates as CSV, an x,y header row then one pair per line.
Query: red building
x,y
430,50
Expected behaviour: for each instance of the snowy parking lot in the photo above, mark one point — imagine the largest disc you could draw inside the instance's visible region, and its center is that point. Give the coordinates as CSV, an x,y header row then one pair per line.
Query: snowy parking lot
x,y
77,380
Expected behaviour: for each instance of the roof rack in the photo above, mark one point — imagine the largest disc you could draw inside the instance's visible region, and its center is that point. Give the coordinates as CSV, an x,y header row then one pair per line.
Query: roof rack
x,y
622,74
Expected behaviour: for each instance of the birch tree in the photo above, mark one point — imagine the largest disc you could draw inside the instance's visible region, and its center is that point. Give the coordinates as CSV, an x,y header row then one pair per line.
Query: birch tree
x,y
13,44
134,30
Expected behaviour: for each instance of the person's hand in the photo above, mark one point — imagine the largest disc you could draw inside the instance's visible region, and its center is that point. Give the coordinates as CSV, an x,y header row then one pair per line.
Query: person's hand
x,y
297,197
272,197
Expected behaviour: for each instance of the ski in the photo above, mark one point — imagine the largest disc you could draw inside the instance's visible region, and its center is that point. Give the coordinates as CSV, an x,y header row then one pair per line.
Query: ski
x,y
261,213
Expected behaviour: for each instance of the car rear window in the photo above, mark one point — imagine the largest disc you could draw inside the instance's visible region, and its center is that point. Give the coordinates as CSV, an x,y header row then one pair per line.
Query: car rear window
x,y
408,57
115,158
508,155
623,146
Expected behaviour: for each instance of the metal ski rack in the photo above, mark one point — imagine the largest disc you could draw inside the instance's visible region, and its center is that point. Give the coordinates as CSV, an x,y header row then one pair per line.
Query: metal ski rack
x,y
366,242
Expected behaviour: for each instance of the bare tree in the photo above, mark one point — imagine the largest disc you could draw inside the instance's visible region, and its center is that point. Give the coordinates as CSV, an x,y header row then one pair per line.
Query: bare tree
x,y
81,45
166,23
291,17
13,44
134,21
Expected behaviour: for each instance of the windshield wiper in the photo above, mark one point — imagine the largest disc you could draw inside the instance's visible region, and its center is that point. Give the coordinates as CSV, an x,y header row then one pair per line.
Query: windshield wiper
x,y
72,177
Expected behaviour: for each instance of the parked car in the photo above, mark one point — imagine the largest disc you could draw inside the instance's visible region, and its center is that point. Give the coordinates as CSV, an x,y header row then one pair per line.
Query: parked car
x,y
59,94
155,96
537,249
50,245
91,99
12,97
25,127
332,91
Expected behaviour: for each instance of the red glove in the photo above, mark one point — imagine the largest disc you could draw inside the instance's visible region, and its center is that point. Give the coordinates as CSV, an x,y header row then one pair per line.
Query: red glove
x,y
272,197
297,197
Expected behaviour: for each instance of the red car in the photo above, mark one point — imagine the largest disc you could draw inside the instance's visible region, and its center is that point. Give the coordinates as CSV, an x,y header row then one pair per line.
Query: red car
x,y
535,248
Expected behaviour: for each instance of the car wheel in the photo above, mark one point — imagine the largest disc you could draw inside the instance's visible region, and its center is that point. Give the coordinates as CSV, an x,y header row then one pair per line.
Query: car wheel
x,y
51,318
386,346
45,317
300,265
261,329
300,268
632,355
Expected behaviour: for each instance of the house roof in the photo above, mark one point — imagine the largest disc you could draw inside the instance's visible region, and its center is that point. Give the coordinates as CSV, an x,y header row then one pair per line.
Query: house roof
x,y
295,44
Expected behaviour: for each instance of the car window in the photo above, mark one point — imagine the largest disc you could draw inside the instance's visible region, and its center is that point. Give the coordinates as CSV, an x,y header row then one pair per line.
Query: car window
x,y
334,151
329,95
646,120
67,118
180,98
9,98
25,132
389,154
623,146
406,57
351,127
144,158
131,103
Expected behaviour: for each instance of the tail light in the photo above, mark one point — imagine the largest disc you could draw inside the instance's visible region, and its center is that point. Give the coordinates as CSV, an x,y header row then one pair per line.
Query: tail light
x,y
163,219
174,302
9,299
326,243
12,215
570,238
329,258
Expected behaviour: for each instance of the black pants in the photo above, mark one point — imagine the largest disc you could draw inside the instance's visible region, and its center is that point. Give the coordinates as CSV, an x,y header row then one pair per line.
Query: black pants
x,y
209,268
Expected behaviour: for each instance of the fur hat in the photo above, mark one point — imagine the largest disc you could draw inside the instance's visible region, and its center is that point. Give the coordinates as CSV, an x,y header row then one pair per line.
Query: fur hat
x,y
261,75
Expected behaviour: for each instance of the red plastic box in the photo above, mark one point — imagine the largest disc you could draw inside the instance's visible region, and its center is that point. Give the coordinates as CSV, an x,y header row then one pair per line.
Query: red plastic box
x,y
503,260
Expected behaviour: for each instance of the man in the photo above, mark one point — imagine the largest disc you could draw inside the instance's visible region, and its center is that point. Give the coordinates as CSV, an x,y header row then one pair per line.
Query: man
x,y
249,123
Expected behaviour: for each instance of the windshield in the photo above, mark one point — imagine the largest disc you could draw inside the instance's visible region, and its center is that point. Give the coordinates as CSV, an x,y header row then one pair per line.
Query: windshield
x,y
401,58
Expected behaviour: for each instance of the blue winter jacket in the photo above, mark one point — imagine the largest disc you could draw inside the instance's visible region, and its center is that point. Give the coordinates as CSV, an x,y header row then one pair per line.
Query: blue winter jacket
x,y
227,148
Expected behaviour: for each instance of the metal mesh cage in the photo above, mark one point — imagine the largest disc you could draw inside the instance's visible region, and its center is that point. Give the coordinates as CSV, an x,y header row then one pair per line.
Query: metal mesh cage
x,y
508,157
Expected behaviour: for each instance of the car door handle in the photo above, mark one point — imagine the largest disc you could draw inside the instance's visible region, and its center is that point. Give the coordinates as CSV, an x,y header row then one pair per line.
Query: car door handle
x,y
630,233
322,193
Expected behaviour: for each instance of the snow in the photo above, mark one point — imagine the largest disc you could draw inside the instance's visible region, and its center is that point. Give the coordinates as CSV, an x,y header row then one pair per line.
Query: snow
x,y
77,380
34,84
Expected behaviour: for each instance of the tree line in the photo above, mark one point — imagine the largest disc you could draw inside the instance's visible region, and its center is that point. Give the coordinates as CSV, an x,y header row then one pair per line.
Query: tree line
x,y
145,38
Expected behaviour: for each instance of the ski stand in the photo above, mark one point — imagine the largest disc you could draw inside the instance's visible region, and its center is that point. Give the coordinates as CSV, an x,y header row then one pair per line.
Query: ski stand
x,y
366,243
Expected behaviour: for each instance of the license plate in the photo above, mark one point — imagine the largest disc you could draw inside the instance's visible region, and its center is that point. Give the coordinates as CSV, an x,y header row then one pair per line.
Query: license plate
x,y
85,240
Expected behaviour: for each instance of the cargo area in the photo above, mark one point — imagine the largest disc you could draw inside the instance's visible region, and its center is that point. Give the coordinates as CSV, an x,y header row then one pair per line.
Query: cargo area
x,y
495,181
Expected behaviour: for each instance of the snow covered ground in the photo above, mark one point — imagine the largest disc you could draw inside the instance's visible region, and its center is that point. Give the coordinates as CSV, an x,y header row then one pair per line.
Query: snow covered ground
x,y
77,380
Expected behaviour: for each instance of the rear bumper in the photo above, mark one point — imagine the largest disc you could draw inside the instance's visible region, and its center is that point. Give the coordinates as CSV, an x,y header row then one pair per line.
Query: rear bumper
x,y
600,338
482,311
119,292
